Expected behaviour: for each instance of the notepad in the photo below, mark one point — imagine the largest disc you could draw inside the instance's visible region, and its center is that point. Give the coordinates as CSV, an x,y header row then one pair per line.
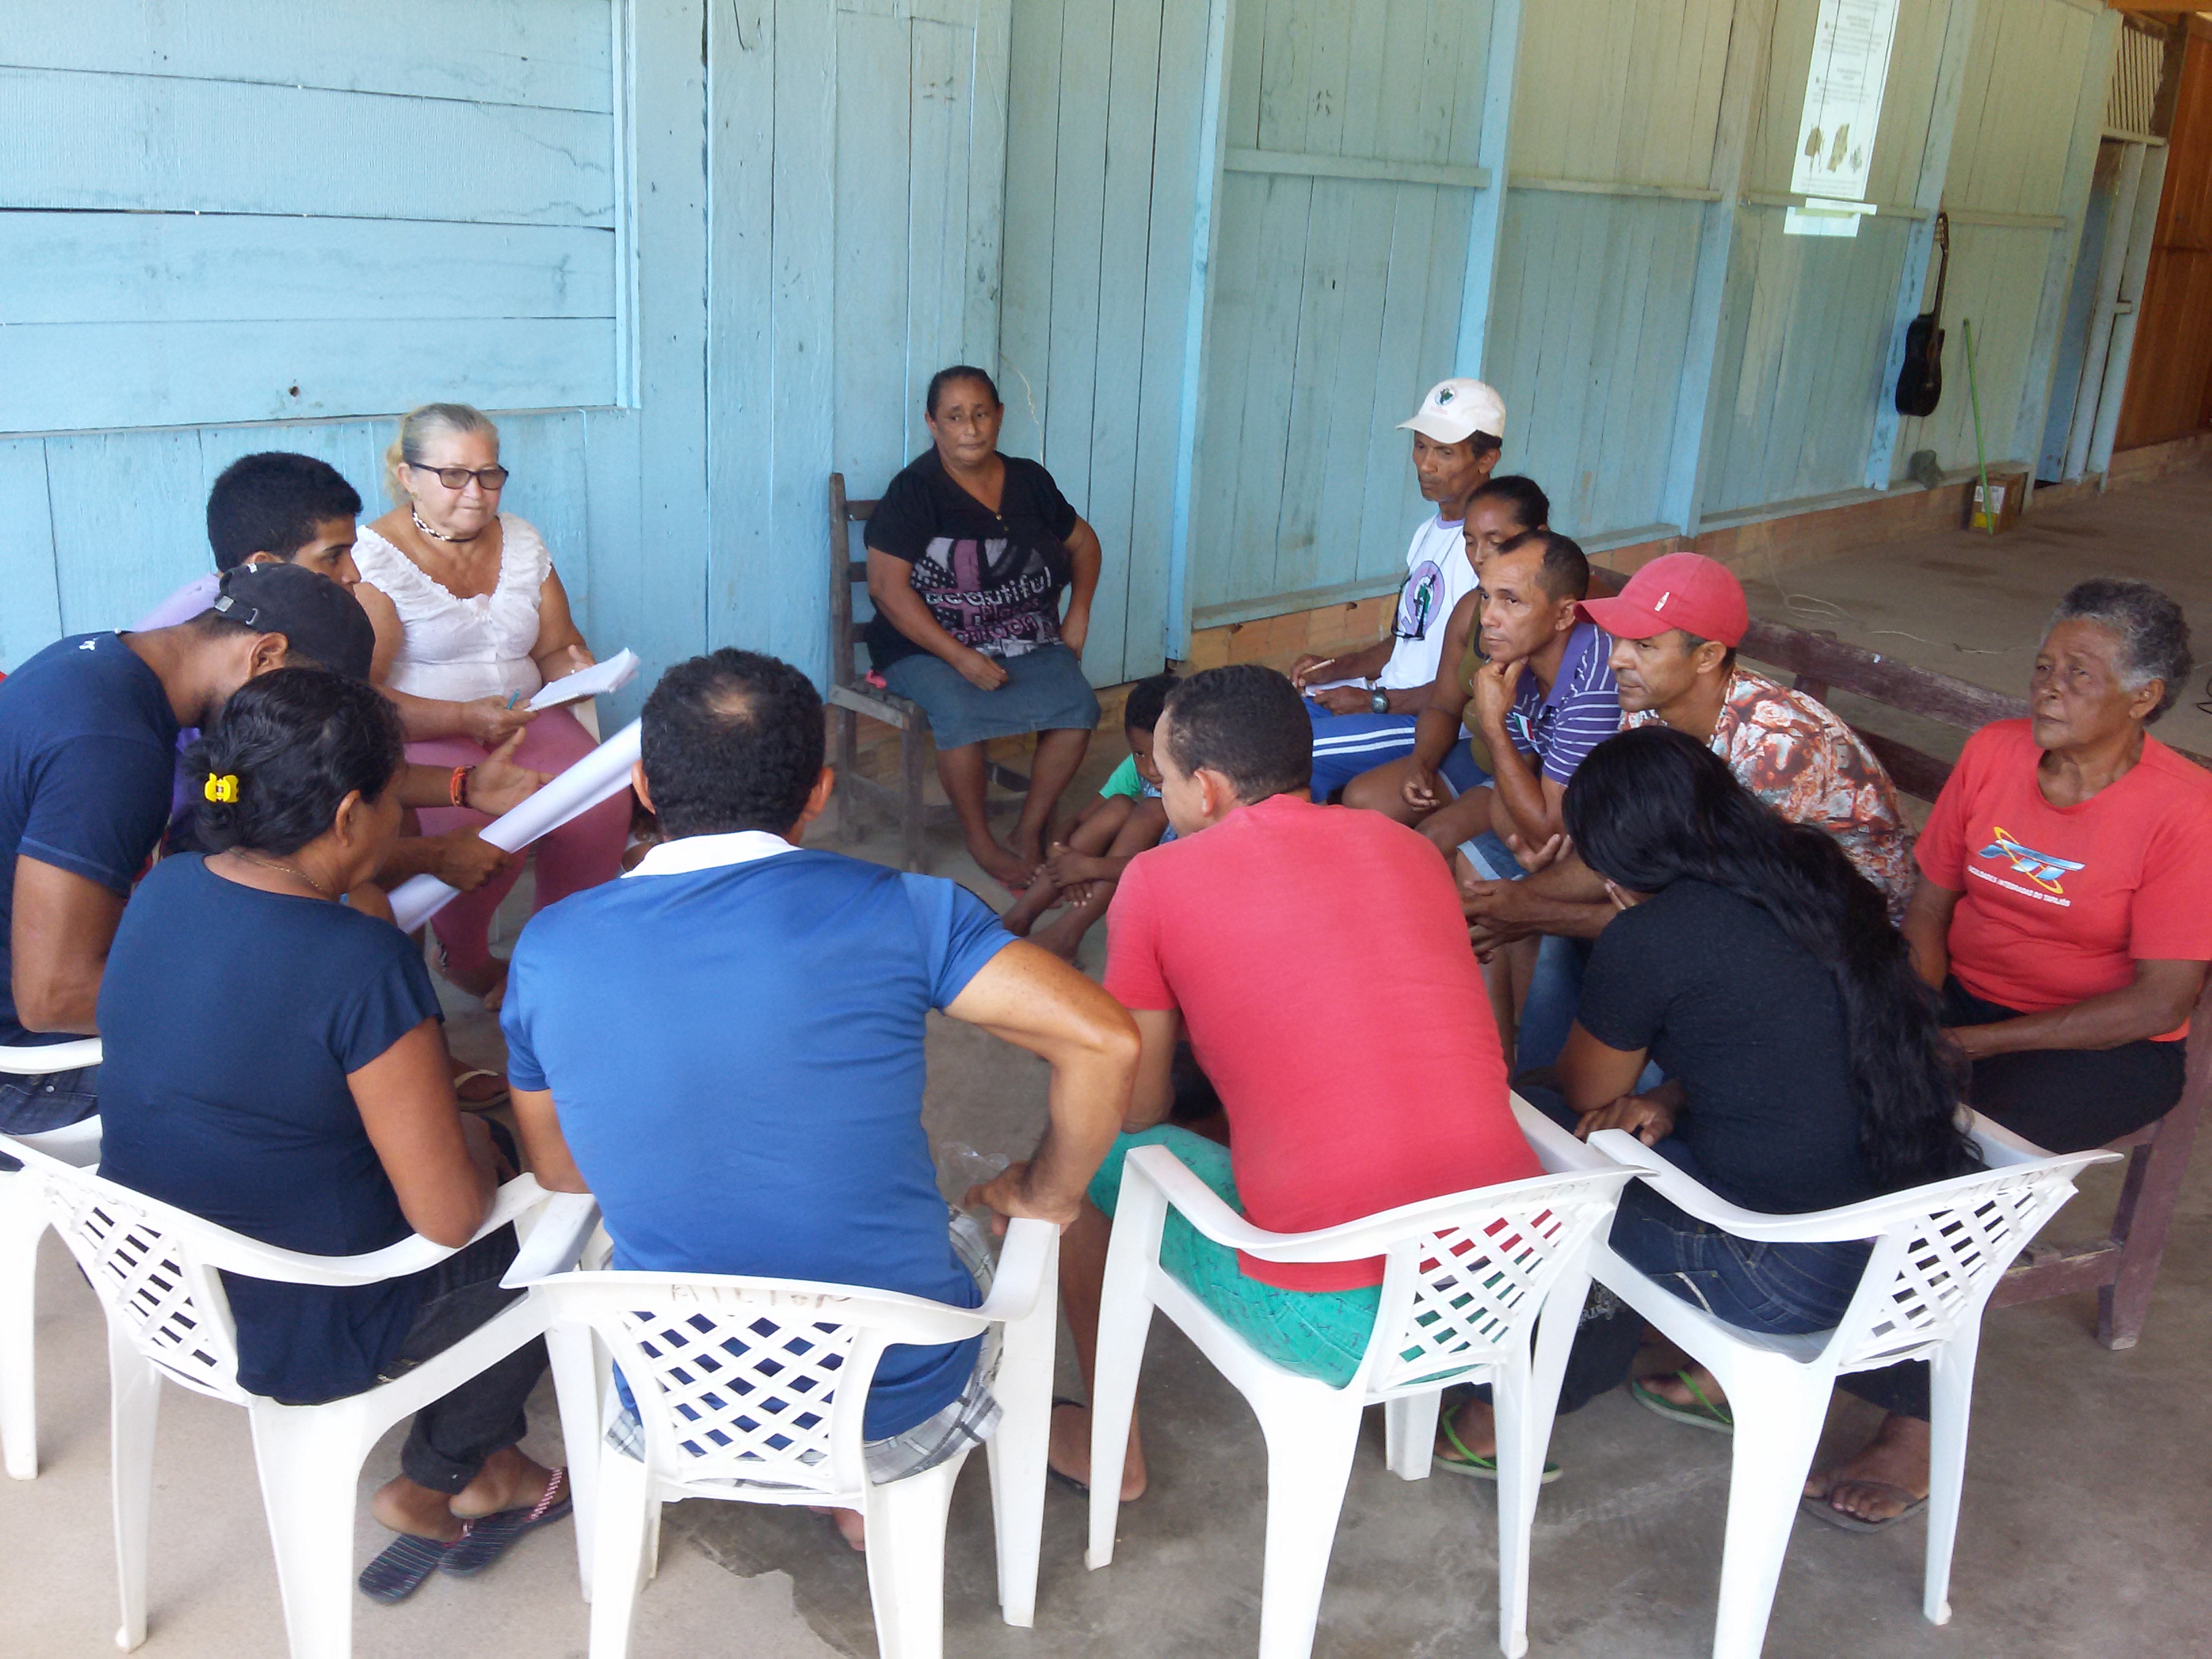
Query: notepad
x,y
596,680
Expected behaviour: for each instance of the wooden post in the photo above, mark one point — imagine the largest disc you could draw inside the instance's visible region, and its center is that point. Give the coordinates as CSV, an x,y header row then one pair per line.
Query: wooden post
x,y
1197,318
1486,224
1751,33
1928,196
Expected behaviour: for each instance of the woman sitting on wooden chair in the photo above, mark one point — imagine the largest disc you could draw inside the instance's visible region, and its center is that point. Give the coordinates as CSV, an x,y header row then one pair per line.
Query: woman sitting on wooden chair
x,y
968,552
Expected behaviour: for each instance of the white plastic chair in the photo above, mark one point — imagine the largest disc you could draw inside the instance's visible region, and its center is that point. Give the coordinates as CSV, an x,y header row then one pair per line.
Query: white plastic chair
x,y
155,1269
741,1380
1938,1252
22,1223
1465,1277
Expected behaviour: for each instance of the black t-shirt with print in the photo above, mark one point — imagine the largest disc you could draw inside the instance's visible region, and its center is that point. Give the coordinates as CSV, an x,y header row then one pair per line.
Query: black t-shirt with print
x,y
1753,1028
991,580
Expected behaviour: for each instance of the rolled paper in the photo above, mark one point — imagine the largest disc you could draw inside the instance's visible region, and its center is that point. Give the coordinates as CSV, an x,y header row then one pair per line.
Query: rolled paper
x,y
604,772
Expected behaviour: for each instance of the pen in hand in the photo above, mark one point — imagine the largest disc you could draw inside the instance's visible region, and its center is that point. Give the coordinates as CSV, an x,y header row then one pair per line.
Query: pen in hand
x,y
514,699
1306,679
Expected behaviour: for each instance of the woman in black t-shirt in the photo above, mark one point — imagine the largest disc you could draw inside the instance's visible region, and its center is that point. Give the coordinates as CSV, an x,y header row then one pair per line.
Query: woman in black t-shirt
x,y
1806,1068
274,1063
968,552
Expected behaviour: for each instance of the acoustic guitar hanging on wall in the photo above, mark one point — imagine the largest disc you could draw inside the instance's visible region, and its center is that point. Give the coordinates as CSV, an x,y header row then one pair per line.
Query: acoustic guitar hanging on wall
x,y
1920,381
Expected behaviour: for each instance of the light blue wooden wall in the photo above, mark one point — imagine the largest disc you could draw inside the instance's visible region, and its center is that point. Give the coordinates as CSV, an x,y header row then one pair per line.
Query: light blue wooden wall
x,y
1102,169
1336,299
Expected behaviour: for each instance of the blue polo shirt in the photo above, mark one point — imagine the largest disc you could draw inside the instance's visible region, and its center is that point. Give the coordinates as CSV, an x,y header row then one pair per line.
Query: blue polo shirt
x,y
87,756
733,1035
1581,711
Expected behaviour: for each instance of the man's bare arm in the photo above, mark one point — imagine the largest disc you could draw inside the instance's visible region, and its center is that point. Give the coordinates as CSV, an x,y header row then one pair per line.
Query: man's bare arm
x,y
57,944
1031,999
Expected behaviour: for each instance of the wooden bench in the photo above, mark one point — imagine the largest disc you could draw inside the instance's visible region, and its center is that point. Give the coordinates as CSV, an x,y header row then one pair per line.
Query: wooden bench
x,y
2122,1267
852,695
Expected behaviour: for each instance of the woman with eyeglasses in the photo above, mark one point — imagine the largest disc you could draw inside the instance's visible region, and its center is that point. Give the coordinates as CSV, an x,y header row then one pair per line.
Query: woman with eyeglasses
x,y
470,616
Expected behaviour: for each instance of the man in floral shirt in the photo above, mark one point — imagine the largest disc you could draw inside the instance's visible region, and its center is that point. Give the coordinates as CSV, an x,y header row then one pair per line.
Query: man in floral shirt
x,y
1675,626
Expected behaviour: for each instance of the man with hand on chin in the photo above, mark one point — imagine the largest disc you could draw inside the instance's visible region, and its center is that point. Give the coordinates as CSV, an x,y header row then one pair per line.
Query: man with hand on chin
x,y
1676,628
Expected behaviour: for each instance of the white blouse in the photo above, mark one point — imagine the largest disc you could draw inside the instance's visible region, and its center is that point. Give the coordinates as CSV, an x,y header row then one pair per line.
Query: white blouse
x,y
456,649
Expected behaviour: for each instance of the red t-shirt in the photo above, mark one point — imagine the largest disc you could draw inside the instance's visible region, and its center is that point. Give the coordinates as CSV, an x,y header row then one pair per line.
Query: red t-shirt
x,y
1322,966
2058,904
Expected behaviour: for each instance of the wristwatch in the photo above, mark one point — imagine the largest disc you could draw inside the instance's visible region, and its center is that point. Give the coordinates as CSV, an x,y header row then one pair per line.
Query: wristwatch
x,y
1379,701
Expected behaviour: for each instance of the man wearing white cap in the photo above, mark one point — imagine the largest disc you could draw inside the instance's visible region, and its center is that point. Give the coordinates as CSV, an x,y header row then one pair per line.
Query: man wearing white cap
x,y
1365,704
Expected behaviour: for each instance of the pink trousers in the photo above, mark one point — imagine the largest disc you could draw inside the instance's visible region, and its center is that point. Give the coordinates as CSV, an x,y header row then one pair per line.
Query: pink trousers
x,y
582,852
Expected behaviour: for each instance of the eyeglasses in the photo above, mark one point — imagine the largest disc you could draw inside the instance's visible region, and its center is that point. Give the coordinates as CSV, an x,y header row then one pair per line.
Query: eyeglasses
x,y
457,477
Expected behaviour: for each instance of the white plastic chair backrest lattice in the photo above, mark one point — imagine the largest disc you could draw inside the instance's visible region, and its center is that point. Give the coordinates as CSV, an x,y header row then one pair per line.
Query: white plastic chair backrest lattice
x,y
751,1379
1464,1275
157,1269
1938,1250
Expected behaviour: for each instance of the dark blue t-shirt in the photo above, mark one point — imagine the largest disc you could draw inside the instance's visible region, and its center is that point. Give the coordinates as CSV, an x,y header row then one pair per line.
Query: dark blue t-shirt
x,y
735,1054
88,744
230,1017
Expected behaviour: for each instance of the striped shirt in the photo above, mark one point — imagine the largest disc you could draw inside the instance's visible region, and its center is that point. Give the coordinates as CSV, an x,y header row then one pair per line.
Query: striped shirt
x,y
1582,708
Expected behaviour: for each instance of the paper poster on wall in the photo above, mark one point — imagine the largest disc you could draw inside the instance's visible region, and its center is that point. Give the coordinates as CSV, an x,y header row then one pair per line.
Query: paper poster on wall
x,y
1843,98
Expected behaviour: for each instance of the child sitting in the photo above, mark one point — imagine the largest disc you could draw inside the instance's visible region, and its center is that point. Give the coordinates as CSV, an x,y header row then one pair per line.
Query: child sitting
x,y
1127,817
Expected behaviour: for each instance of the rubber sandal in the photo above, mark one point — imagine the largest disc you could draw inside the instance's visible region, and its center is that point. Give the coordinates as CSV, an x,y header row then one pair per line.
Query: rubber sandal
x,y
1476,1465
1836,1517
1067,1481
400,1570
493,1104
1705,1414
486,1538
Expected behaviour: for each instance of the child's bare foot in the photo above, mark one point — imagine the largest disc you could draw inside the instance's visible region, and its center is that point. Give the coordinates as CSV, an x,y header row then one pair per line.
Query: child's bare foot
x,y
1071,1451
1885,1479
1043,893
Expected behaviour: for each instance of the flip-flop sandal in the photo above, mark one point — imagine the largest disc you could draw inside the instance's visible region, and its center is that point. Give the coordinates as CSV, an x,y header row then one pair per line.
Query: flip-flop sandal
x,y
1705,1414
486,1538
1068,1482
1478,1466
1836,1517
491,1103
399,1571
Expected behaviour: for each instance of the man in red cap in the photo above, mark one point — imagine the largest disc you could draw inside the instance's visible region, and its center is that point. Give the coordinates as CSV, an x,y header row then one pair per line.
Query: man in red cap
x,y
1676,628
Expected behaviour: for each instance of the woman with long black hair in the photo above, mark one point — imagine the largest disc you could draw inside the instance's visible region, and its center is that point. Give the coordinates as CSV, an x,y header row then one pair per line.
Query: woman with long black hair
x,y
1805,1066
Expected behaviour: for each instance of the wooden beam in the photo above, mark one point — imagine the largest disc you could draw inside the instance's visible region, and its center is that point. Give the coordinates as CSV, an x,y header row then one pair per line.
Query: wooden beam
x,y
1751,31
1485,227
1205,239
1928,196
1358,167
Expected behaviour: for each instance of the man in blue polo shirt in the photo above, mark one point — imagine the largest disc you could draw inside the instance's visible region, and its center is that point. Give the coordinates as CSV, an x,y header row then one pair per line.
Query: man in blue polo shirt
x,y
726,1045
88,735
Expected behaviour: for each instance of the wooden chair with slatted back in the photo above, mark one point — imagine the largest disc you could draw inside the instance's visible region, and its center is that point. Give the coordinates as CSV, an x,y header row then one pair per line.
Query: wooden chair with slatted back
x,y
2122,1267
852,695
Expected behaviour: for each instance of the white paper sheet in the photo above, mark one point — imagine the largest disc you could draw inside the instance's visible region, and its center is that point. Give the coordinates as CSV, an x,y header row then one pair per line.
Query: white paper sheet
x,y
602,773
597,681
1844,85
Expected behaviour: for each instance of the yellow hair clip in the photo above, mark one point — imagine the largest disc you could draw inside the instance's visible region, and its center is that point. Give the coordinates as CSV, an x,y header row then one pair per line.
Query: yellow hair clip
x,y
223,788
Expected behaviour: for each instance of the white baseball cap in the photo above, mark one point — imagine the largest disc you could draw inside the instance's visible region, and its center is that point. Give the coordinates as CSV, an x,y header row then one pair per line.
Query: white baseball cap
x,y
1455,410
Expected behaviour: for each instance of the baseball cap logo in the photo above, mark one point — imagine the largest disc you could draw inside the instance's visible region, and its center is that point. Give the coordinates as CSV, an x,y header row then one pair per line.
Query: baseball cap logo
x,y
1663,598
1445,394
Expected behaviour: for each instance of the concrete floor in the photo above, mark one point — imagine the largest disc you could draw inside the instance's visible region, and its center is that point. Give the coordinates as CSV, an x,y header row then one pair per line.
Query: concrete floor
x,y
2084,1532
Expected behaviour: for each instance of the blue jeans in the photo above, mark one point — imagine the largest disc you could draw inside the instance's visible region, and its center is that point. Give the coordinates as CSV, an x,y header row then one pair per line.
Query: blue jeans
x,y
1781,1289
1555,988
32,1105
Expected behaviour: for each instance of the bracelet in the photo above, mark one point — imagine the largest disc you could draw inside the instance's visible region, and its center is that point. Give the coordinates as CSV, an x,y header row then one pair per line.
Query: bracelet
x,y
457,787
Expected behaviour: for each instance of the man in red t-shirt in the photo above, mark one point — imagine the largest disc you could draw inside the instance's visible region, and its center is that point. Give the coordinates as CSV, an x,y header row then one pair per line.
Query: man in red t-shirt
x,y
1387,1088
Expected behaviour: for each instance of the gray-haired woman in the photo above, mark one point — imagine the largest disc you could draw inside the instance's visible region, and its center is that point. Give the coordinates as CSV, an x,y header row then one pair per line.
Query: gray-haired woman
x,y
2065,911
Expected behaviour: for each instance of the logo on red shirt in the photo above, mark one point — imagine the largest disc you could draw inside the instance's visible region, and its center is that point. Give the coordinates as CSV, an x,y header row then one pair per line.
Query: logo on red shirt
x,y
2038,868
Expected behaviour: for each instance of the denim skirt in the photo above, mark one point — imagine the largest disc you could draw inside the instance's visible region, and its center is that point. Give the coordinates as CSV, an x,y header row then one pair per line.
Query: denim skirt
x,y
1045,691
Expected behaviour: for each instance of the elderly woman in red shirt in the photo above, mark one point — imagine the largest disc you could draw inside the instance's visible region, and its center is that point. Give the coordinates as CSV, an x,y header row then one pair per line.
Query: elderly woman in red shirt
x,y
2065,911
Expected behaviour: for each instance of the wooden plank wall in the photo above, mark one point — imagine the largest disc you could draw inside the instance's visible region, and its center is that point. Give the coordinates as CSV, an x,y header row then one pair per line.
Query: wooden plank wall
x,y
1337,290
1101,176
238,212
857,153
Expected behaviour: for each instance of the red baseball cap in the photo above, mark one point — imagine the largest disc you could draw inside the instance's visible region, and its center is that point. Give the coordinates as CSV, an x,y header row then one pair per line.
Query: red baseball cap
x,y
1687,591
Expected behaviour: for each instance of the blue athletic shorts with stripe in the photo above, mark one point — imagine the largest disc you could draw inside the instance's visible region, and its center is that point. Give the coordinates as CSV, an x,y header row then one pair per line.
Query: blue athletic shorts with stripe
x,y
1344,745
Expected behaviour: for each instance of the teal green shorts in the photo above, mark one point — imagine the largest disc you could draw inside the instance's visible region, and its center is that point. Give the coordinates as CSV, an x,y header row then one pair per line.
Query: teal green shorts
x,y
1317,1334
